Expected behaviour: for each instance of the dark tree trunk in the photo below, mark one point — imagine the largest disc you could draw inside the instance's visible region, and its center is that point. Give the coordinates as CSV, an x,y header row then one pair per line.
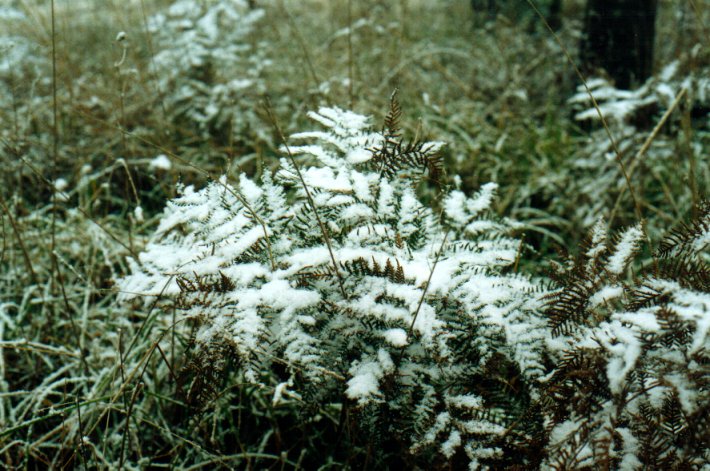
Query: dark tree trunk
x,y
487,6
618,37
554,14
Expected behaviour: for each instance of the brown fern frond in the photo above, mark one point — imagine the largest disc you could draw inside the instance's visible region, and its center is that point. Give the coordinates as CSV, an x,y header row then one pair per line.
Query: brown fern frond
x,y
685,237
392,126
204,284
360,267
308,275
567,307
687,269
395,154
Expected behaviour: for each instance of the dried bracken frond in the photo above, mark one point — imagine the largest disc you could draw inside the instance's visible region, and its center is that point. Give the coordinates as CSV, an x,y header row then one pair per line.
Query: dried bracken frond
x,y
393,154
631,377
208,72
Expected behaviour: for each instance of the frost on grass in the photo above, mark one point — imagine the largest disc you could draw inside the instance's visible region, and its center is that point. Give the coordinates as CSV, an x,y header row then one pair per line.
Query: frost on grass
x,y
404,311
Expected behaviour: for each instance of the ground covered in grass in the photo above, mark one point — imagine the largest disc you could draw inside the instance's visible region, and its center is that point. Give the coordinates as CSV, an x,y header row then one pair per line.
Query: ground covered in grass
x,y
207,261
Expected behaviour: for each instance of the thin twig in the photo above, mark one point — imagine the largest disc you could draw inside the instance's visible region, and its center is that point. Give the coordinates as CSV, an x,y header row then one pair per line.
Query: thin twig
x,y
55,150
81,433
128,424
123,162
171,371
67,306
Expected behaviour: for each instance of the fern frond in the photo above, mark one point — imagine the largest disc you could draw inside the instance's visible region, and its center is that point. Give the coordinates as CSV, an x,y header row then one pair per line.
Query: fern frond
x,y
692,237
440,327
391,128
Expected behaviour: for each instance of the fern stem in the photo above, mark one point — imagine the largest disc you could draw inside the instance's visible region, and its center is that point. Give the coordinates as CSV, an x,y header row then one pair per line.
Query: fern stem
x,y
428,282
311,202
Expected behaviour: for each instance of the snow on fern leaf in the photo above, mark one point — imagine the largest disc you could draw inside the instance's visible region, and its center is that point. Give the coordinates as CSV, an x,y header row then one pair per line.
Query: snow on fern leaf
x,y
625,248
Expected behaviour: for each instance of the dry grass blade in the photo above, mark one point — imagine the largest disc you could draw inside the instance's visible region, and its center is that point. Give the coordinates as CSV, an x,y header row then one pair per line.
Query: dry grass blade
x,y
649,140
20,242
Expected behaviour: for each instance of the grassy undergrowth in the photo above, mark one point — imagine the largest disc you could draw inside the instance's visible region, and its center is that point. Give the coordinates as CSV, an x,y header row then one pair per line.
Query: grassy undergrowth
x,y
111,109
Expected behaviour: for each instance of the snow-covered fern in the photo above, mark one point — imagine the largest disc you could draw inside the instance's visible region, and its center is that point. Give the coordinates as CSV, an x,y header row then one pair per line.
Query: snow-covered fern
x,y
205,67
631,116
24,73
332,277
630,386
